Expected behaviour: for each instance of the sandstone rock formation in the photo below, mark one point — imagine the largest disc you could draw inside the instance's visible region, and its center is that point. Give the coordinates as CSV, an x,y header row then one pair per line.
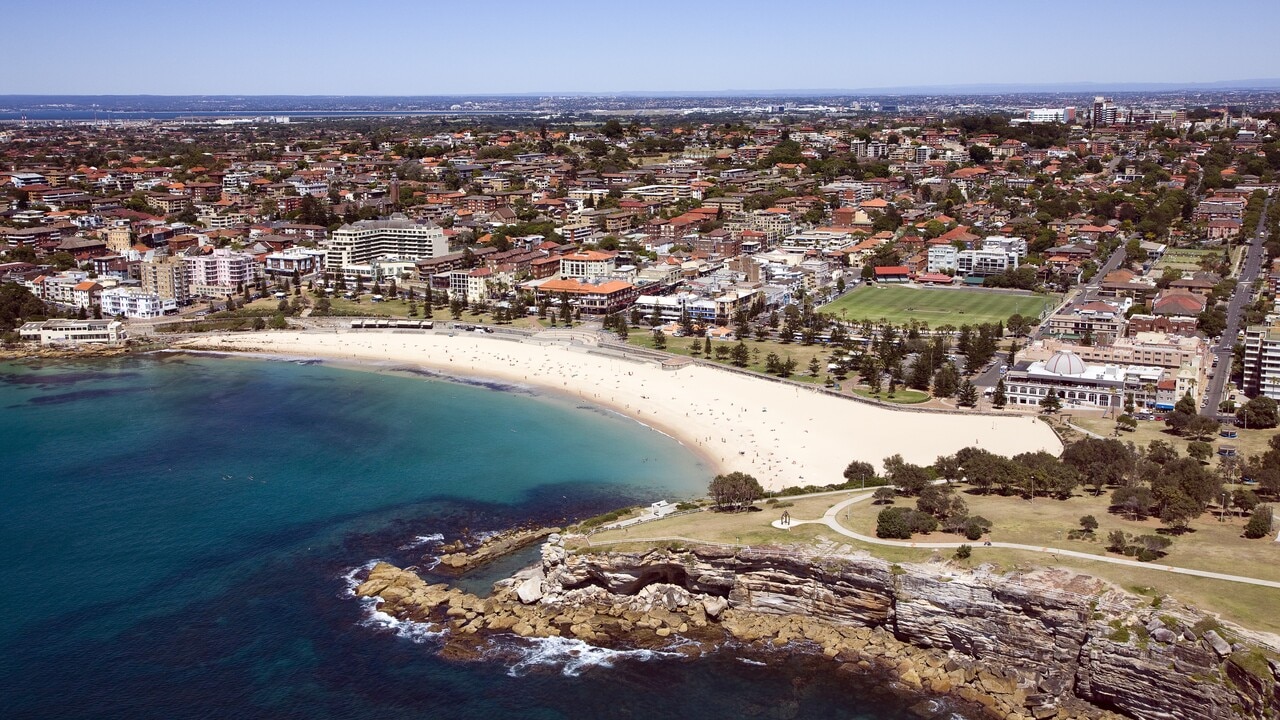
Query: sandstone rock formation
x,y
1039,645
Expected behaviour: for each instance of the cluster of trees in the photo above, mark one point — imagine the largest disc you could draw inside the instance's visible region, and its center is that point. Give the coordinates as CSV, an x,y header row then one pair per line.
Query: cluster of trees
x,y
735,491
1264,468
1260,412
17,305
937,504
1185,421
1142,547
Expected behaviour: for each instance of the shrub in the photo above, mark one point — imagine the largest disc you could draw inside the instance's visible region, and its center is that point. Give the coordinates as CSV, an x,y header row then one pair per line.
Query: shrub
x,y
894,523
963,552
1259,523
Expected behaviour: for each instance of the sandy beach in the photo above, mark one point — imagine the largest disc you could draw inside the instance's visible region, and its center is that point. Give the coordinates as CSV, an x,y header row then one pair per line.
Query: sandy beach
x,y
782,434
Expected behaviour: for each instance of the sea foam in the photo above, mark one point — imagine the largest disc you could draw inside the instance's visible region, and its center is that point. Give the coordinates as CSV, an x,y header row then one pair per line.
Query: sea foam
x,y
572,656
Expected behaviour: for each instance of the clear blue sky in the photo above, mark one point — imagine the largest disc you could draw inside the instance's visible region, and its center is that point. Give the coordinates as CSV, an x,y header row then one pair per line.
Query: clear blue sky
x,y
426,47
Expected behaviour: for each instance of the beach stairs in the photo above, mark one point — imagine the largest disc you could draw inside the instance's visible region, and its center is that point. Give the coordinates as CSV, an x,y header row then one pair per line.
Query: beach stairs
x,y
568,336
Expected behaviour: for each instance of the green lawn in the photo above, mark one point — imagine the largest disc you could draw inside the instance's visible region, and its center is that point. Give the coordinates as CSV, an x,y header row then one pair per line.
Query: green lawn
x,y
901,396
1184,259
1247,442
400,309
802,354
936,306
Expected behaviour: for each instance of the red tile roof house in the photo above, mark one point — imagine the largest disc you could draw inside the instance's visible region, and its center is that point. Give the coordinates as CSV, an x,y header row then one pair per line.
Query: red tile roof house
x,y
1178,302
935,279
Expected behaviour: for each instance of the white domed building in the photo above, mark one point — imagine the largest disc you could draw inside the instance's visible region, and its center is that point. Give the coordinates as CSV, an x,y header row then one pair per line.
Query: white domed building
x,y
1080,384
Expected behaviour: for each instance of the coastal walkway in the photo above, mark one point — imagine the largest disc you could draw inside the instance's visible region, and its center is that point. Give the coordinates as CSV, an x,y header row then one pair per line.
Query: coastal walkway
x,y
831,520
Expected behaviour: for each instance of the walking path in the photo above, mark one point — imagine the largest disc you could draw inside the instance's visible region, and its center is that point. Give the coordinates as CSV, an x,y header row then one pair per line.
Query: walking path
x,y
830,520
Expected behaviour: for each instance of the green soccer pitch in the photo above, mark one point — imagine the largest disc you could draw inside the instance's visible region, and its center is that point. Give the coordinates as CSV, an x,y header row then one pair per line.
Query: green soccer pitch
x,y
936,306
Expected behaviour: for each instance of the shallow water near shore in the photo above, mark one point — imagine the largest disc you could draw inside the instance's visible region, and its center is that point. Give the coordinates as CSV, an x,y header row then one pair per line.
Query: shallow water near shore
x,y
179,534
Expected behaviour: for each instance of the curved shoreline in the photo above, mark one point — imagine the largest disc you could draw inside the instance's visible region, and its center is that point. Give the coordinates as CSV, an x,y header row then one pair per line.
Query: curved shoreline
x,y
430,372
778,433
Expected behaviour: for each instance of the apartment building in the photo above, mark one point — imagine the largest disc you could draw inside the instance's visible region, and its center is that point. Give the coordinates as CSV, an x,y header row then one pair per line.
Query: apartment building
x,y
221,272
133,302
399,237
1262,361
588,265
168,278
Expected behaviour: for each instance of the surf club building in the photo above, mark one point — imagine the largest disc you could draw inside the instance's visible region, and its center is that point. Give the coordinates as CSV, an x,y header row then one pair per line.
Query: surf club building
x,y
1092,386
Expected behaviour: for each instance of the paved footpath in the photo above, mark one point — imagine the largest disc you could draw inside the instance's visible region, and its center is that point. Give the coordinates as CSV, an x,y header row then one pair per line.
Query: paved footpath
x,y
830,520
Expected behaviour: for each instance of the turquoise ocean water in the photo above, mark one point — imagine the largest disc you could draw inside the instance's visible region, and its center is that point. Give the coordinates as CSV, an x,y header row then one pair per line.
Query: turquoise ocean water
x,y
178,534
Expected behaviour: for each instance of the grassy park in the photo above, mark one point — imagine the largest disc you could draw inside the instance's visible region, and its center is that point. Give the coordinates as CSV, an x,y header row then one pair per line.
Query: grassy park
x,y
1247,442
1209,545
936,306
802,354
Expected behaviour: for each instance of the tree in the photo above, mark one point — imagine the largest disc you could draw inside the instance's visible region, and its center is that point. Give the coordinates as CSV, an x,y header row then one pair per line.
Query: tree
x,y
1259,524
1102,461
900,523
1150,547
735,491
278,322
1050,403
741,356
17,305
1260,412
946,381
1089,524
1184,411
963,552
894,523
1244,500
921,375
968,396
659,339
1178,510
907,478
883,495
980,154
999,398
814,366
859,472
1017,325
1201,451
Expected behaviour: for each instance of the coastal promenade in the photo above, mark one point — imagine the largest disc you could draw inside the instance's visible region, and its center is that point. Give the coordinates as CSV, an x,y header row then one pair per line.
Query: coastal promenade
x,y
783,434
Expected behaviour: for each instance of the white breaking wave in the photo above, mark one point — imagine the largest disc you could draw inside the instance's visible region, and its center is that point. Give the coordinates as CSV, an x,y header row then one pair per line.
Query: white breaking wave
x,y
351,581
375,618
573,656
415,631
420,540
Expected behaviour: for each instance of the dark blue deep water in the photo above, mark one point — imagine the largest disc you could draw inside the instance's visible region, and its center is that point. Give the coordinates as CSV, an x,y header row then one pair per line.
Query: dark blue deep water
x,y
177,535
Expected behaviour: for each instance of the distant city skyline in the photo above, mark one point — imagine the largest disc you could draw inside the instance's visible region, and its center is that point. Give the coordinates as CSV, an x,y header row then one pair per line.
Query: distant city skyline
x,y
400,47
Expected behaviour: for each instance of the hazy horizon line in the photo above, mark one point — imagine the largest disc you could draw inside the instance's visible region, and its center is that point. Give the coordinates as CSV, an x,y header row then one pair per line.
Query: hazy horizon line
x,y
937,89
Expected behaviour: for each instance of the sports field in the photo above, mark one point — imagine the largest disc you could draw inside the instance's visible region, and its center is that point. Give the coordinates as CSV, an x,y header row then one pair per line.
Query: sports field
x,y
936,306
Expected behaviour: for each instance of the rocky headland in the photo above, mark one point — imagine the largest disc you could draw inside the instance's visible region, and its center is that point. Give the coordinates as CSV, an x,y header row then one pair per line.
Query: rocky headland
x,y
1045,644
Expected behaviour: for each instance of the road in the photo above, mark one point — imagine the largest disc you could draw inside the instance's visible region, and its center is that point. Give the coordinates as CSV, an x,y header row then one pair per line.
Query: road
x,y
1235,311
1085,292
